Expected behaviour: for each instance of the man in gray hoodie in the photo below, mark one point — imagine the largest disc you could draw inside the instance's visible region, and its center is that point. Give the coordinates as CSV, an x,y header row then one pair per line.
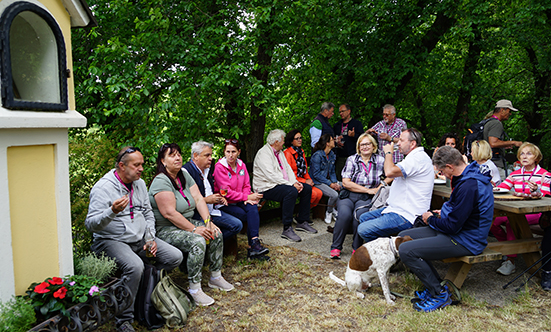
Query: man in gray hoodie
x,y
119,215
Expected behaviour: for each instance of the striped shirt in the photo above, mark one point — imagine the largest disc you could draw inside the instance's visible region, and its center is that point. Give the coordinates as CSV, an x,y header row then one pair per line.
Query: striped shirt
x,y
518,179
358,172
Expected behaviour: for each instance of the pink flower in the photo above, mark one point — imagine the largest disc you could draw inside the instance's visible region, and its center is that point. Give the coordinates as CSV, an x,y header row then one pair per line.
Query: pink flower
x,y
93,290
60,293
56,281
42,288
72,283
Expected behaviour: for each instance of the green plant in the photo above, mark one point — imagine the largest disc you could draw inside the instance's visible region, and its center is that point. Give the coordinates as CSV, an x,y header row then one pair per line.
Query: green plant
x,y
55,295
94,266
16,315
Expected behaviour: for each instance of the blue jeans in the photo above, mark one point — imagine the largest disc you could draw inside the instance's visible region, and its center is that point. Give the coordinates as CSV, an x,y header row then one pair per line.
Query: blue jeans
x,y
228,224
374,224
247,213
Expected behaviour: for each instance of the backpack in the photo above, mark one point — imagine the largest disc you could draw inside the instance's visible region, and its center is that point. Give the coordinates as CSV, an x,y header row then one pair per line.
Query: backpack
x,y
172,301
144,310
475,133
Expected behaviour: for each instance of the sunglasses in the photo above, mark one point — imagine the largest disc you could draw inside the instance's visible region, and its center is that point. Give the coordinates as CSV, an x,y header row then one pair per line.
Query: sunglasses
x,y
231,140
127,151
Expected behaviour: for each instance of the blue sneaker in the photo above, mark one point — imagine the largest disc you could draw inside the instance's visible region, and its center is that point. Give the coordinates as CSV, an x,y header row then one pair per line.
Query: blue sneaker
x,y
433,303
422,295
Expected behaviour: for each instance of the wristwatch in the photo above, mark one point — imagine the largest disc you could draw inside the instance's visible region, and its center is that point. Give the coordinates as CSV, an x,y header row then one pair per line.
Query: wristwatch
x,y
388,152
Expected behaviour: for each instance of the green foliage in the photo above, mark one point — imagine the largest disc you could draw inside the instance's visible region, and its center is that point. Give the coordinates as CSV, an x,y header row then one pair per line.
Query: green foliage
x,y
98,267
55,295
16,315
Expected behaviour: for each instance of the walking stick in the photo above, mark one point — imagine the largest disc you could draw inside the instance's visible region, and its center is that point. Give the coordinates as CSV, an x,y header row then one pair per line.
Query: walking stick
x,y
531,266
533,274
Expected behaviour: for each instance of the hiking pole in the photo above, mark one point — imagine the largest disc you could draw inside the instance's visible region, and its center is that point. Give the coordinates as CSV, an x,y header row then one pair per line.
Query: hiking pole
x,y
533,274
523,272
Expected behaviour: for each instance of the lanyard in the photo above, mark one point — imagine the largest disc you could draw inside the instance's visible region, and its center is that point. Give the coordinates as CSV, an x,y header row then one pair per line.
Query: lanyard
x,y
495,117
522,172
343,128
365,168
181,190
388,131
131,194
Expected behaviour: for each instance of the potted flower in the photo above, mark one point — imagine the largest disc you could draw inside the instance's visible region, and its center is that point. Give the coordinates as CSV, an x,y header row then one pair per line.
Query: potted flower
x,y
56,295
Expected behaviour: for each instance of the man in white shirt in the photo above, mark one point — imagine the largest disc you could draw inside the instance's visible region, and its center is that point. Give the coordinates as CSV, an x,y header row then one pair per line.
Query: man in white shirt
x,y
410,193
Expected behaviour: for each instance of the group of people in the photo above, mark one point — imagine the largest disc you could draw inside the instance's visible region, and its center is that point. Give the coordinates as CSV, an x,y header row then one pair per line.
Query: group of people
x,y
191,208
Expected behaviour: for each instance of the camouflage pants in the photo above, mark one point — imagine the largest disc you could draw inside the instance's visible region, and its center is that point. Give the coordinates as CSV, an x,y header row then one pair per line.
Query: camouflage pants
x,y
196,247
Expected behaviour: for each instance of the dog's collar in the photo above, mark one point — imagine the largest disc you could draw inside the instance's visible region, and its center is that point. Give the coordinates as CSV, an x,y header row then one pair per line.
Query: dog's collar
x,y
392,245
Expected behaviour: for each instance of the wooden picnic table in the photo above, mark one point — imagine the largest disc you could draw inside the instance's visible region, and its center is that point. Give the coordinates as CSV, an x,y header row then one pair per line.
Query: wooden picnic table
x,y
516,210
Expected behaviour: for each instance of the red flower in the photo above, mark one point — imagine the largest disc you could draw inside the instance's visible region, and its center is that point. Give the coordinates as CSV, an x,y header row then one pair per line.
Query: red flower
x,y
42,288
56,281
60,293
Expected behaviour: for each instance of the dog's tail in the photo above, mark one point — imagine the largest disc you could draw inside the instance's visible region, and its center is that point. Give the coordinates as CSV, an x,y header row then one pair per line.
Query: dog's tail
x,y
337,279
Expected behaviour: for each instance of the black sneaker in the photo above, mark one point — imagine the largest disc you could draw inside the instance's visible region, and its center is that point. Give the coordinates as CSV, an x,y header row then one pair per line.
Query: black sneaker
x,y
305,227
256,248
257,257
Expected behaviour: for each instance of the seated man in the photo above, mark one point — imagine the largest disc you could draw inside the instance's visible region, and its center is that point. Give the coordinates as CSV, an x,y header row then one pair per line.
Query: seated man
x,y
199,169
410,193
118,215
459,229
273,177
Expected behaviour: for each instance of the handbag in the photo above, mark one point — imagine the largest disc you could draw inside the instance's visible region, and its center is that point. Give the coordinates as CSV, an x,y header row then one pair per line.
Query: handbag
x,y
172,301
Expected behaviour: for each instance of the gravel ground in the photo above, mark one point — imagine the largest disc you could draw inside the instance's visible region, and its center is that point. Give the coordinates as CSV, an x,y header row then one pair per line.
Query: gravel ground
x,y
482,283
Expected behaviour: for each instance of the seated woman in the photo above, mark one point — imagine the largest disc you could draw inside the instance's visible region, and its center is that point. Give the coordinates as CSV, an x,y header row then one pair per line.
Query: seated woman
x,y
450,139
231,176
322,171
297,160
361,178
174,195
482,154
527,181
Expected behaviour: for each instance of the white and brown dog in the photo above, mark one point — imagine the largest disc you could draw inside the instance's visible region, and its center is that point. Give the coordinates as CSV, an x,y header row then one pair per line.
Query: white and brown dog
x,y
373,259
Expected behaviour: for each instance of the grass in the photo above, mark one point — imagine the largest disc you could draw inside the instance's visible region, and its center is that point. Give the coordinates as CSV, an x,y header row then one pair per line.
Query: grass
x,y
292,292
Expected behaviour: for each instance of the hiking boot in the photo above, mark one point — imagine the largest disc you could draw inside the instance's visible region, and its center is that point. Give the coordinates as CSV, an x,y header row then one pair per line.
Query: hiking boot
x,y
335,254
506,268
256,248
125,327
202,299
546,280
290,235
220,283
305,227
431,303
328,217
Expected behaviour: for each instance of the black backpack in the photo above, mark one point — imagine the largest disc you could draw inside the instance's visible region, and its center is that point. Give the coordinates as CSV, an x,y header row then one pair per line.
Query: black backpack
x,y
475,133
144,310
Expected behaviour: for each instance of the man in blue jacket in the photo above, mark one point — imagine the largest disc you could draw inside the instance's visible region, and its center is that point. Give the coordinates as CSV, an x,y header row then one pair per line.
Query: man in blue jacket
x,y
459,229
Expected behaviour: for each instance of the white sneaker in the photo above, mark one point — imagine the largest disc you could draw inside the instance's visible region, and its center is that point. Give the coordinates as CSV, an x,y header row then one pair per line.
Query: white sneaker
x,y
328,217
220,283
506,268
202,299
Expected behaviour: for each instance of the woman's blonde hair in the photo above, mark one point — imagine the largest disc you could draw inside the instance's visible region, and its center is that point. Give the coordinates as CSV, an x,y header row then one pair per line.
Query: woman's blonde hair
x,y
481,150
362,136
534,149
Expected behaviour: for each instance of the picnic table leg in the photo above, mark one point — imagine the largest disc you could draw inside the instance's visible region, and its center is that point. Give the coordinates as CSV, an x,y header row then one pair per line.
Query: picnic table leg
x,y
457,273
521,229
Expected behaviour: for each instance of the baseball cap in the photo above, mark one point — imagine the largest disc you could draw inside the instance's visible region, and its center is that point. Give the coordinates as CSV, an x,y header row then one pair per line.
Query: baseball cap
x,y
504,103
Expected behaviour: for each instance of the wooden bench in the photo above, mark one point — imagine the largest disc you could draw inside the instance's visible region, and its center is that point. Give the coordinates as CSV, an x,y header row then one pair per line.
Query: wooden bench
x,y
457,273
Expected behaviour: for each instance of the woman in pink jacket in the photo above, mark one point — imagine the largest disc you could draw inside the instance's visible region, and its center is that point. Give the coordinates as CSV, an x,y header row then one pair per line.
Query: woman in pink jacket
x,y
230,174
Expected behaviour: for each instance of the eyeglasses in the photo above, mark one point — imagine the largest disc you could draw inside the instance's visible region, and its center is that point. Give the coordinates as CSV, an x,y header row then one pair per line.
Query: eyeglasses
x,y
127,151
231,140
297,138
364,145
387,114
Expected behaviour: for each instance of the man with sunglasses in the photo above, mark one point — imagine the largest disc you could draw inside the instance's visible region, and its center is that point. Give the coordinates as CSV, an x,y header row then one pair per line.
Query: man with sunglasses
x,y
119,215
388,131
410,192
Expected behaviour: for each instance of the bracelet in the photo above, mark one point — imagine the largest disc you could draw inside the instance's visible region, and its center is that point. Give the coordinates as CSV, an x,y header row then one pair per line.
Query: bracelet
x,y
207,220
193,231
